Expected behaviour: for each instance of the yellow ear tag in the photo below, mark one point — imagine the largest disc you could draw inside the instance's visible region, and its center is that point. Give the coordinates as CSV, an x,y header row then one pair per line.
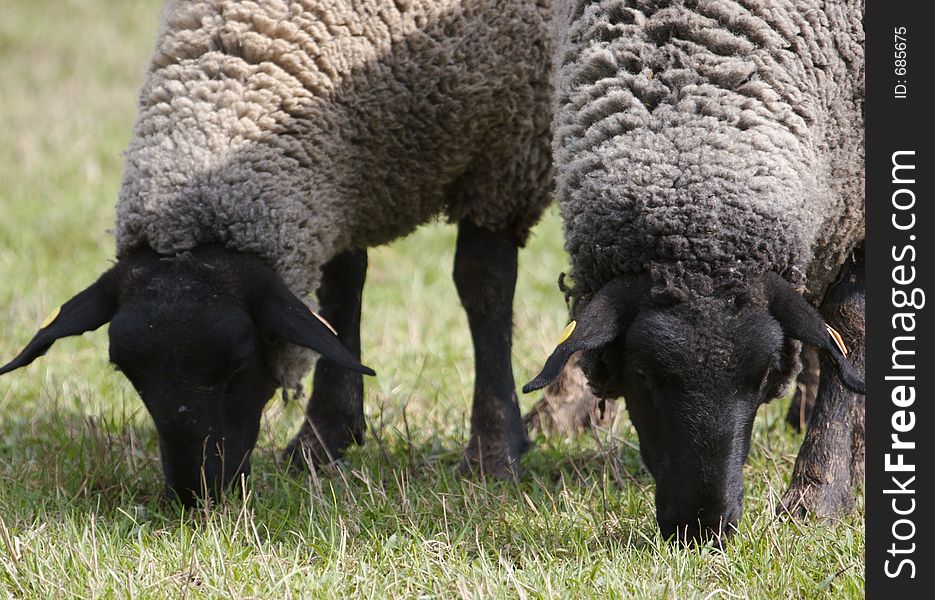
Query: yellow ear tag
x,y
325,322
566,332
51,318
838,340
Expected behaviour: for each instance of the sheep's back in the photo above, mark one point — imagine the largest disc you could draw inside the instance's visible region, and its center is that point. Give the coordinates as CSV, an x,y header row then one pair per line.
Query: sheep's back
x,y
709,137
295,129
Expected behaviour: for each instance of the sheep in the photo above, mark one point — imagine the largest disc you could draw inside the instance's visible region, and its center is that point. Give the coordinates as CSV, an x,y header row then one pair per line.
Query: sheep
x,y
276,141
708,159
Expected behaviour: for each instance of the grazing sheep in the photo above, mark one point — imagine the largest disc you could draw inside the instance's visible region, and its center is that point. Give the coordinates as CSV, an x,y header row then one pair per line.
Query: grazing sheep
x,y
275,142
709,160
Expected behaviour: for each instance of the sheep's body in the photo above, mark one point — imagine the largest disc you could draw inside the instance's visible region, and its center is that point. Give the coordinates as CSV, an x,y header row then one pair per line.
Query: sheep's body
x,y
709,159
276,141
294,131
709,138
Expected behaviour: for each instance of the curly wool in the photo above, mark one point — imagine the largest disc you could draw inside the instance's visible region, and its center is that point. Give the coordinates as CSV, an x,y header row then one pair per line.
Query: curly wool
x,y
709,140
296,130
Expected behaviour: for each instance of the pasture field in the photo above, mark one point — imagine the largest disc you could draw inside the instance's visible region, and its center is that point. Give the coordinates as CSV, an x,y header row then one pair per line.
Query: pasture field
x,y
81,514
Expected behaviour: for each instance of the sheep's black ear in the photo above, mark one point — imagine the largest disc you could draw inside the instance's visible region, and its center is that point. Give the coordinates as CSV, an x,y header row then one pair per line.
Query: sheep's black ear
x,y
607,315
281,313
801,321
85,312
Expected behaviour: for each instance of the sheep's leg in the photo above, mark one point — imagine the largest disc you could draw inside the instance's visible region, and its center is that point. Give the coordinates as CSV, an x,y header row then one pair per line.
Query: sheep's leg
x,y
832,454
485,275
334,417
806,388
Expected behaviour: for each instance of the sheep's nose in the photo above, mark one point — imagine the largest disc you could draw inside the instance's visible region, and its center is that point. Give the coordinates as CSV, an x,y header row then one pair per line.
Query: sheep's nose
x,y
693,526
201,480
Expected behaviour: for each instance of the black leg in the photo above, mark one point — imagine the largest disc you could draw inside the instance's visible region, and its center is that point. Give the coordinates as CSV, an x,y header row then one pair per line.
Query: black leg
x,y
831,457
485,275
334,417
806,388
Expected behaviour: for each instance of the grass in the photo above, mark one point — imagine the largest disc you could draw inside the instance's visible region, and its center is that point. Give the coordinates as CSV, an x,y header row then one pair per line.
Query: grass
x,y
80,509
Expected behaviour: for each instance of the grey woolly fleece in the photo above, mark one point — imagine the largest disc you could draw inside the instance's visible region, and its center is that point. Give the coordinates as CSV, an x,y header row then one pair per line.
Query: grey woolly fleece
x,y
707,140
296,130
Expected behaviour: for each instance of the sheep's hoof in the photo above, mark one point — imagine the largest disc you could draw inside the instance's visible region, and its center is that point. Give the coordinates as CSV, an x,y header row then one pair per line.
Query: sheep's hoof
x,y
303,454
308,450
495,457
816,500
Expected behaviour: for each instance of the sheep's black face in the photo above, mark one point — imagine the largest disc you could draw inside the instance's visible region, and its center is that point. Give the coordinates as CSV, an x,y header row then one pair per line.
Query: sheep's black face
x,y
693,377
183,336
694,369
199,368
193,334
